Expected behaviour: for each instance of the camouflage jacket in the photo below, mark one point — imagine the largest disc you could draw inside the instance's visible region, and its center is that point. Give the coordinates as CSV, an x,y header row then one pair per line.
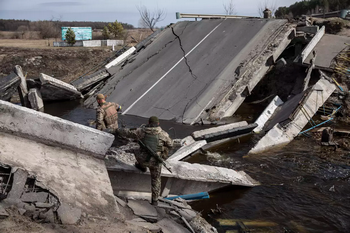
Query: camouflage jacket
x,y
107,116
141,155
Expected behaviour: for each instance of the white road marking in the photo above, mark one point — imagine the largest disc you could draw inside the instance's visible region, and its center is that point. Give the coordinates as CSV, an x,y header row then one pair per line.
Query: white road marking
x,y
132,105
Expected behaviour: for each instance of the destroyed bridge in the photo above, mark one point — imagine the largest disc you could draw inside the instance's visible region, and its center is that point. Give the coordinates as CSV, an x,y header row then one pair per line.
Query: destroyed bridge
x,y
194,71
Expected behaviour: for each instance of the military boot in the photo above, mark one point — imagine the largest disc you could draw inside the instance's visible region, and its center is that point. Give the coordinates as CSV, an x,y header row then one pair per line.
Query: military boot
x,y
141,168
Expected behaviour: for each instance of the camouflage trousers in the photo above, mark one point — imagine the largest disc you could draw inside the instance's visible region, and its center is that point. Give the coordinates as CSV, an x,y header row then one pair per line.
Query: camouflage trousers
x,y
155,169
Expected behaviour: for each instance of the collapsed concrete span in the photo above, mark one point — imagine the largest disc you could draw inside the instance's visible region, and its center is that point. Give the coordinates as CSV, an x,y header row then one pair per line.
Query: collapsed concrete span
x,y
54,151
291,117
185,178
215,64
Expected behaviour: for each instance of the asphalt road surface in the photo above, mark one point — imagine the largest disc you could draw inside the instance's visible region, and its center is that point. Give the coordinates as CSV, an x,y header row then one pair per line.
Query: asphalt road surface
x,y
187,67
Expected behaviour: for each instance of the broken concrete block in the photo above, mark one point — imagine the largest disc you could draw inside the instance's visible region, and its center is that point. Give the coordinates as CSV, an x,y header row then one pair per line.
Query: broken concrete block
x,y
35,197
170,226
43,205
68,214
53,89
148,226
19,180
199,135
35,99
267,113
185,151
143,209
8,86
3,212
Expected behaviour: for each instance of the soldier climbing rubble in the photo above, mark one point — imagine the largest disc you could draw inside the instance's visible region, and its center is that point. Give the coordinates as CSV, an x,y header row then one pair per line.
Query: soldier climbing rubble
x,y
106,114
151,139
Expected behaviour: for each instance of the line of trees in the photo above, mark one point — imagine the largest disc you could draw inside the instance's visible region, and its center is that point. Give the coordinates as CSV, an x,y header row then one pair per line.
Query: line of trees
x,y
307,7
14,25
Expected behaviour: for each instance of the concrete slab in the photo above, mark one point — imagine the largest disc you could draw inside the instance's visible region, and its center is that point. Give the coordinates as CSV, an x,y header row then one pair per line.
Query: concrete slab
x,y
84,83
53,130
228,133
68,214
8,86
170,226
56,170
327,49
35,99
200,135
311,46
53,89
143,209
282,134
186,178
19,180
185,151
142,85
35,197
267,113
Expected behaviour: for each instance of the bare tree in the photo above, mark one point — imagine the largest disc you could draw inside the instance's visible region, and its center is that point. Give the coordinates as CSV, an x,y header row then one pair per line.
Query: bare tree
x,y
142,24
149,18
267,4
229,7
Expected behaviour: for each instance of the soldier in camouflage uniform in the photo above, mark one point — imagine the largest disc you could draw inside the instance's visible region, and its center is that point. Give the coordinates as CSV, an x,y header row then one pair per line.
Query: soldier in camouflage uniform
x,y
159,141
107,114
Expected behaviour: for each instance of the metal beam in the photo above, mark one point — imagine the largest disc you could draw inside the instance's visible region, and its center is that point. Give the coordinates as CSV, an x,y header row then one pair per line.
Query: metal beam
x,y
203,16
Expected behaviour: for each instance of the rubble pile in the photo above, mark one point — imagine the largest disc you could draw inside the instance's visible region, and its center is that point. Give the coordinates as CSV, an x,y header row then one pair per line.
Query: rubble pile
x,y
23,192
169,216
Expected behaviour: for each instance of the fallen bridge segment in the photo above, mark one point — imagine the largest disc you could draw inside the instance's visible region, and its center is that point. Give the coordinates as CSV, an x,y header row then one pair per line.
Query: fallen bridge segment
x,y
293,116
185,178
179,61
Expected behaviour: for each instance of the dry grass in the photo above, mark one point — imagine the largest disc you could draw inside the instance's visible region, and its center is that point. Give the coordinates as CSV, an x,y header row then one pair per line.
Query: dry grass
x,y
31,39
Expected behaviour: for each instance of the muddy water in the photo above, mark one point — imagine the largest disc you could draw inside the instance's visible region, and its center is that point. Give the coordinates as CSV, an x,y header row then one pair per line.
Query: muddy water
x,y
304,188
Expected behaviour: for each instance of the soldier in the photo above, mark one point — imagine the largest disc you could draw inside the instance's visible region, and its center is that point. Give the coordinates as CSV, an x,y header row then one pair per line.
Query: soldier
x,y
106,114
158,141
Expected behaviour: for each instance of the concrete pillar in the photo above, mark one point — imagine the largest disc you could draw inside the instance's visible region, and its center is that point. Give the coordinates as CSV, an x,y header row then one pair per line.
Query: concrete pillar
x,y
22,88
35,99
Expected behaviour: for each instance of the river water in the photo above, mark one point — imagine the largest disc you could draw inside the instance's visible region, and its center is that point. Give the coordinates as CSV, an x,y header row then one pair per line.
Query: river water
x,y
304,188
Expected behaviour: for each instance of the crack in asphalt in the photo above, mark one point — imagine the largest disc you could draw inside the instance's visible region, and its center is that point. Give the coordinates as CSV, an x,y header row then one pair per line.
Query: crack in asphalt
x,y
184,53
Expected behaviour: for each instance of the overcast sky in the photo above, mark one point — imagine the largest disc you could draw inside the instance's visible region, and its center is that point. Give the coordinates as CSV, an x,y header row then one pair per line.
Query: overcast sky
x,y
121,10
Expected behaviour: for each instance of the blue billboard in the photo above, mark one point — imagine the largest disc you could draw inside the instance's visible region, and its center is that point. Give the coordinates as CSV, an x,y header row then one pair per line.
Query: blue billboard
x,y
81,33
